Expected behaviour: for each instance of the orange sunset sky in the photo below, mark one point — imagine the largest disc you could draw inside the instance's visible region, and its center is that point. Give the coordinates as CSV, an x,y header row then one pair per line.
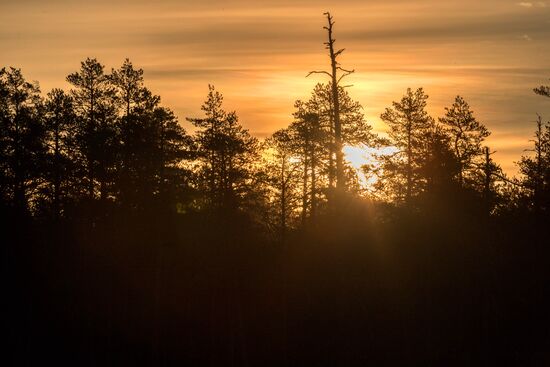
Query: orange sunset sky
x,y
257,54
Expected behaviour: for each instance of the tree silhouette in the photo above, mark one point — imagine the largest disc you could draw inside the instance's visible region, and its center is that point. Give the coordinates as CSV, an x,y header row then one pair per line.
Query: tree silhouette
x,y
94,107
409,125
536,170
129,88
491,175
441,166
282,169
466,136
172,149
543,90
60,124
226,152
22,139
308,140
151,145
334,86
355,129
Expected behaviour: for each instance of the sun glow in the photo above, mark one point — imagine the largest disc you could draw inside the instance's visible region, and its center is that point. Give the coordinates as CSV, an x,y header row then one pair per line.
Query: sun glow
x,y
361,156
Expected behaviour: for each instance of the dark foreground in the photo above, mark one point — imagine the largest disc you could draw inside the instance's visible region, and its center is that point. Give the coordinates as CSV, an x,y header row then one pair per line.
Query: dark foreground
x,y
178,290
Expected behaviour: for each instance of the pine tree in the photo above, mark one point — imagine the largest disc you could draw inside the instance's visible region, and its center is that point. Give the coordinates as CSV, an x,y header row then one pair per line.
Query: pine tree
x,y
536,170
409,127
355,129
336,74
226,153
60,120
309,143
93,100
172,150
466,136
128,86
22,140
282,171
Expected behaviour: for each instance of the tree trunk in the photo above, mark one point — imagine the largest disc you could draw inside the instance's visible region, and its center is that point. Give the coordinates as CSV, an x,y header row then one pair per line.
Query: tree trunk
x,y
19,192
340,177
313,183
283,199
90,160
487,183
460,164
409,162
331,154
57,175
304,190
538,179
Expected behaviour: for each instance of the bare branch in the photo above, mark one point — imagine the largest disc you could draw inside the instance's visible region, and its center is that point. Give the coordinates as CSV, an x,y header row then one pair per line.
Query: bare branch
x,y
345,71
344,75
319,72
499,176
331,22
505,179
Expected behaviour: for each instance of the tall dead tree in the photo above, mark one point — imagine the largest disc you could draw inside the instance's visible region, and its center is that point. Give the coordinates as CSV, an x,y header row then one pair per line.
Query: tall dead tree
x,y
335,81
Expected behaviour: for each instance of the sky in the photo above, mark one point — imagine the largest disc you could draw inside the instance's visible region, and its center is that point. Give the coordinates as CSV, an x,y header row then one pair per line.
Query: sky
x,y
257,53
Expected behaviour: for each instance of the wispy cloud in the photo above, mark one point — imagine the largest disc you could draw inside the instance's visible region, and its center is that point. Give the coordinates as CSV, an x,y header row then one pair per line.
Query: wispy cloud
x,y
527,4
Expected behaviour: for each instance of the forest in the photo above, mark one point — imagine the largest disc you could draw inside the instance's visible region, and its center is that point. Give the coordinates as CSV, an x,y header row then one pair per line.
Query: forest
x,y
132,236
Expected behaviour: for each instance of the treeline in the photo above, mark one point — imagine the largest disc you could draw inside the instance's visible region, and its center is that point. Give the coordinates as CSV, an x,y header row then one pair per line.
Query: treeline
x,y
128,240
108,144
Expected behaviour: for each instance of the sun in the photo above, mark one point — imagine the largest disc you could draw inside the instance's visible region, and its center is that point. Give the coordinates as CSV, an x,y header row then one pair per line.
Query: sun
x,y
361,155
358,156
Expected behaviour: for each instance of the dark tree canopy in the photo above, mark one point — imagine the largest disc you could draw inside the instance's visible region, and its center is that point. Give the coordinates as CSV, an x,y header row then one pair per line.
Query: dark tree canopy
x,y
226,154
22,139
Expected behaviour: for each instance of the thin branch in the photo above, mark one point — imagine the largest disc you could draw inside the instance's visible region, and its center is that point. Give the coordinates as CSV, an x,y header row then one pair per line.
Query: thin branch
x,y
508,180
319,72
345,70
498,175
343,76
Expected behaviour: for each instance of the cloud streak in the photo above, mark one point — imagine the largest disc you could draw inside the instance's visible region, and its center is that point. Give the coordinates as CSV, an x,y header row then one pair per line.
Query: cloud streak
x,y
538,4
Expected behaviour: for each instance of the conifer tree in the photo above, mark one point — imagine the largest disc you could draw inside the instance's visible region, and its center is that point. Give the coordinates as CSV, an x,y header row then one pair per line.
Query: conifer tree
x,y
409,127
93,100
536,169
22,140
226,153
60,120
466,136
282,169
